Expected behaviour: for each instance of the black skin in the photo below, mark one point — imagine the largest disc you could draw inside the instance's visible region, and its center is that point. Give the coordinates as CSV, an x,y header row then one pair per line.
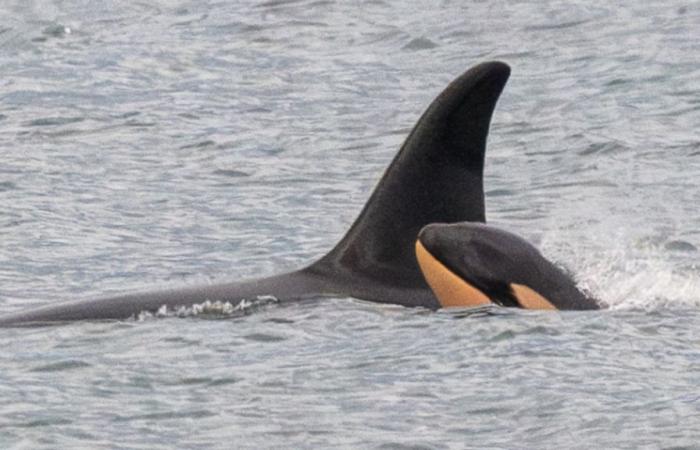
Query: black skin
x,y
437,176
491,259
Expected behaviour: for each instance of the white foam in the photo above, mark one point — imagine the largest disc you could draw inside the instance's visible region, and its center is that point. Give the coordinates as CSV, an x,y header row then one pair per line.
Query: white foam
x,y
626,274
625,280
209,308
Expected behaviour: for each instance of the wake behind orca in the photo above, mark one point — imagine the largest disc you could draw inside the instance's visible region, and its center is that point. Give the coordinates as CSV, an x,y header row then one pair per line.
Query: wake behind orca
x,y
436,177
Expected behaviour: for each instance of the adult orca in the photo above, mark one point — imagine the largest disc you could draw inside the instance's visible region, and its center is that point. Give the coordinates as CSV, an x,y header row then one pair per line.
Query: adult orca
x,y
437,176
473,264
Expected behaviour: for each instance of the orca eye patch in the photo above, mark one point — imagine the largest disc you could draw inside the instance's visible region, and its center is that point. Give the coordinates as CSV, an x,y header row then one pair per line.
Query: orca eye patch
x,y
450,289
528,298
473,278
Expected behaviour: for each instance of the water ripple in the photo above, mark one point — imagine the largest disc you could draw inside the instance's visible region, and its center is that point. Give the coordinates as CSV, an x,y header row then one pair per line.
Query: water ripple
x,y
61,366
146,144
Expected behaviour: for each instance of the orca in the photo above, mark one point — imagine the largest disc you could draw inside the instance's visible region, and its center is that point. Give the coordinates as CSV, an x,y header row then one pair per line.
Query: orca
x,y
474,264
437,176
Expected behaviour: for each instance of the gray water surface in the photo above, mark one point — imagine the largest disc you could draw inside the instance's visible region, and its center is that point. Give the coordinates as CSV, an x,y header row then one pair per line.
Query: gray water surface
x,y
176,143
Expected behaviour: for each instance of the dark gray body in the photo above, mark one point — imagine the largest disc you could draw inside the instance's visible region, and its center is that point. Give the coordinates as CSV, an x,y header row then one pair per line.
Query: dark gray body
x,y
492,259
437,176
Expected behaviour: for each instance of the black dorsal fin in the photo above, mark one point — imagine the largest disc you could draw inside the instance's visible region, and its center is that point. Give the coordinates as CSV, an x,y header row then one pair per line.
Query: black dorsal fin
x,y
437,176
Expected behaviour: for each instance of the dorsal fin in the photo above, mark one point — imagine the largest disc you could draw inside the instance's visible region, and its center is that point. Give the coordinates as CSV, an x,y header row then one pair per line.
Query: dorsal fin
x,y
437,176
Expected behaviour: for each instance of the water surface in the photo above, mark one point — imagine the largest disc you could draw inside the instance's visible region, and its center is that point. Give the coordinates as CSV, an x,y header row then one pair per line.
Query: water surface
x,y
175,143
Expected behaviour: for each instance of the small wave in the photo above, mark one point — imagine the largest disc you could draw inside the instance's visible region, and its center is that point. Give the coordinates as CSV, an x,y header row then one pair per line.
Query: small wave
x,y
680,246
500,193
43,422
420,43
57,30
53,121
603,148
231,173
555,26
53,31
277,3
167,415
475,312
61,366
197,145
264,337
7,186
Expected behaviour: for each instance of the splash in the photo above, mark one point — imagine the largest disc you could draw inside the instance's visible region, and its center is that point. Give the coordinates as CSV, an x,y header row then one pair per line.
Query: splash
x,y
626,279
621,273
210,309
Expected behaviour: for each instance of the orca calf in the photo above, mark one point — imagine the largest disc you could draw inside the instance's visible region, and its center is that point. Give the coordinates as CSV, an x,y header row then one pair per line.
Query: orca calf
x,y
437,177
473,264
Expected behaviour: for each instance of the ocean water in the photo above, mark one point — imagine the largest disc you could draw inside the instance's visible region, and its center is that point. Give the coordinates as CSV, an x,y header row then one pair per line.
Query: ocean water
x,y
147,144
